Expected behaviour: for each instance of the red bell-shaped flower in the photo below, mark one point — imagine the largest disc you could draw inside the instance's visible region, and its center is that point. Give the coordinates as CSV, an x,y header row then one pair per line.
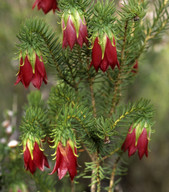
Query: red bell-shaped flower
x,y
136,141
34,159
28,73
74,29
66,160
104,54
46,5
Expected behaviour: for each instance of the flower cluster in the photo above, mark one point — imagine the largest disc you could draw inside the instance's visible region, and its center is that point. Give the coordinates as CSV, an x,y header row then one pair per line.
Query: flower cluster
x,y
74,31
103,56
66,158
137,139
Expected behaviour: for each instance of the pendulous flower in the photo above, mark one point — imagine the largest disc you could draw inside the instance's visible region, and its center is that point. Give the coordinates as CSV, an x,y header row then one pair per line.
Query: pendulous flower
x,y
31,72
74,29
34,158
136,140
66,160
46,5
104,53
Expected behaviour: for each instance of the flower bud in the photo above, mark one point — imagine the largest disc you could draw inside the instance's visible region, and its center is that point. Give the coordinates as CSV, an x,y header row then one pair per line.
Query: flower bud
x,y
9,129
10,113
13,143
3,140
135,67
6,123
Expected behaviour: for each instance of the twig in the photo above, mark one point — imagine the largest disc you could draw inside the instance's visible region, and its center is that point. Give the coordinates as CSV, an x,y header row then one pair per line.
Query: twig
x,y
118,82
73,77
98,173
98,178
92,97
124,42
93,184
113,174
72,186
107,156
116,93
93,158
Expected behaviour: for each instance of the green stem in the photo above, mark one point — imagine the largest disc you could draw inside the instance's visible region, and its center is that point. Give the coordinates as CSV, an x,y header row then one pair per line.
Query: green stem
x,y
118,81
92,96
75,85
123,116
112,153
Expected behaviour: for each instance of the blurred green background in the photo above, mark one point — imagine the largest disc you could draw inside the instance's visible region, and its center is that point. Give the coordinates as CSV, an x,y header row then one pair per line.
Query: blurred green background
x,y
152,82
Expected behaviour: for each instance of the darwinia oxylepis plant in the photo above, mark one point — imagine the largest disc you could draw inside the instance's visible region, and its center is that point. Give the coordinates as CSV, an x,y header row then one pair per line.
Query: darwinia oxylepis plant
x,y
94,61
